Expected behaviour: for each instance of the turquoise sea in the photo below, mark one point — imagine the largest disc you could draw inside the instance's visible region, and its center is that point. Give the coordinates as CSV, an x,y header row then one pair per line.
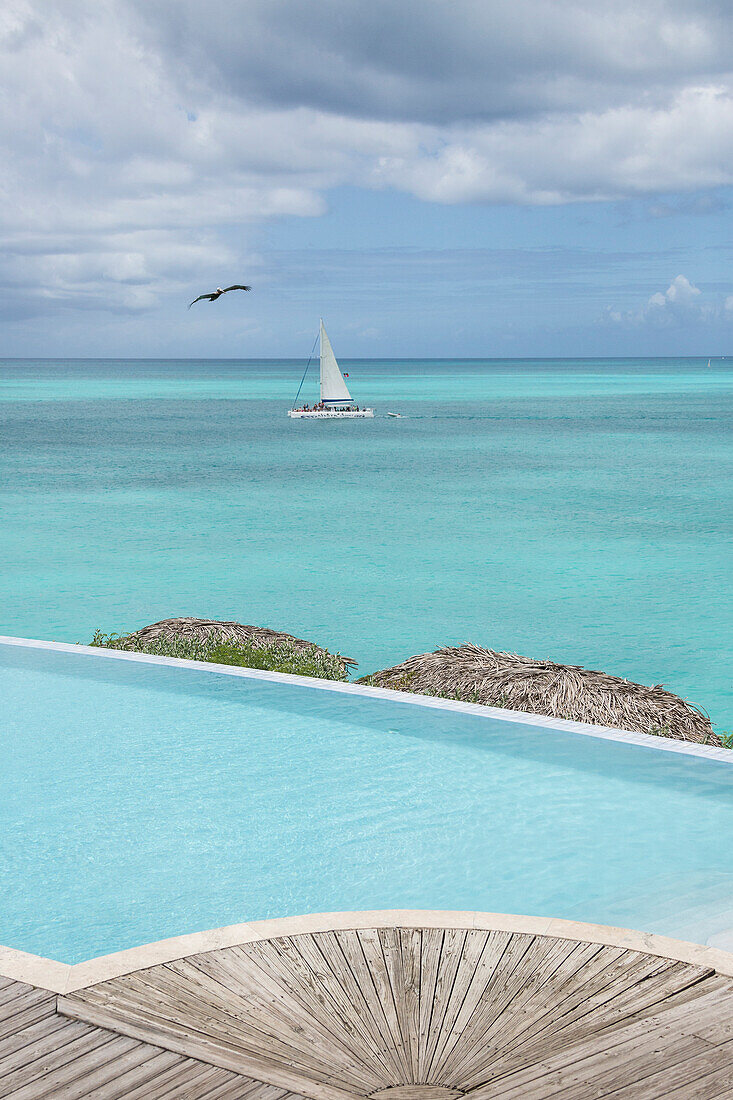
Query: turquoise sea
x,y
578,510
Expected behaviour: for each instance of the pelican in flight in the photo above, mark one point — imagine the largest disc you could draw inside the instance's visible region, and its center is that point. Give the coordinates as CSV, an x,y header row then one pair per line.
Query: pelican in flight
x,y
218,293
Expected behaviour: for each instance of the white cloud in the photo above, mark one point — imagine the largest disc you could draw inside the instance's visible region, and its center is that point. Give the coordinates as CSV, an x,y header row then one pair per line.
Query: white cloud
x,y
164,124
680,293
681,304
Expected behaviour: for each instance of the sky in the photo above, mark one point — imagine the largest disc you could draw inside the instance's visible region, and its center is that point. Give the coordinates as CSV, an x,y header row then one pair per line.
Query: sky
x,y
433,177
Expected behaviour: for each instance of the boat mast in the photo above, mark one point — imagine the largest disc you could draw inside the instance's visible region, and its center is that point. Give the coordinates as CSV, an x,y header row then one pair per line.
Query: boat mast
x,y
310,358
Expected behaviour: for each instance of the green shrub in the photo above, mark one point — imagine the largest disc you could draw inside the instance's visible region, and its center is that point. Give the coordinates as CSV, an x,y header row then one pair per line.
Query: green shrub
x,y
278,657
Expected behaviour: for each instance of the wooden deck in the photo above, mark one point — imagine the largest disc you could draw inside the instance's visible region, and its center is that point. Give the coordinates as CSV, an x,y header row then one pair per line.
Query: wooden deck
x,y
47,1056
390,1013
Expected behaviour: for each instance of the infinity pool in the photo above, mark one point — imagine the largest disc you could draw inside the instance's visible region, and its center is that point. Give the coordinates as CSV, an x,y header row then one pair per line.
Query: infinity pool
x,y
140,801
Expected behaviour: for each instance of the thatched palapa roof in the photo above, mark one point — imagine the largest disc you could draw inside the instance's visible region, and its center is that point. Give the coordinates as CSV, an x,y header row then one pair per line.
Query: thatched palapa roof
x,y
200,630
478,675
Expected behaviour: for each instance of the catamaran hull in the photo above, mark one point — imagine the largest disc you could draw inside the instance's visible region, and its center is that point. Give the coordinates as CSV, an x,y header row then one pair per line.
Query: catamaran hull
x,y
331,414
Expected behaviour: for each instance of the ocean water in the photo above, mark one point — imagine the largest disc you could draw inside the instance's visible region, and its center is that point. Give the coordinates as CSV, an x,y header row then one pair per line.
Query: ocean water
x,y
140,801
578,510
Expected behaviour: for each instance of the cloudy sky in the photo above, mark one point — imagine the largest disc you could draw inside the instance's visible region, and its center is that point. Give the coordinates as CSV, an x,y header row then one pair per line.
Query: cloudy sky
x,y
445,177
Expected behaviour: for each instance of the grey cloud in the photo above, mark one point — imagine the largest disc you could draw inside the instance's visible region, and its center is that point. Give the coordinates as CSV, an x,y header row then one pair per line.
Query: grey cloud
x,y
443,63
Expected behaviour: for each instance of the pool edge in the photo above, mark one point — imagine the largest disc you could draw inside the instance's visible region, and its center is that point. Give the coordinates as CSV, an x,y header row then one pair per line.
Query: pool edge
x,y
64,978
606,733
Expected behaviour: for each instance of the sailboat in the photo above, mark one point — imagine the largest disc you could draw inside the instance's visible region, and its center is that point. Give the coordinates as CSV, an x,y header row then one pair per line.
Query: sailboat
x,y
336,401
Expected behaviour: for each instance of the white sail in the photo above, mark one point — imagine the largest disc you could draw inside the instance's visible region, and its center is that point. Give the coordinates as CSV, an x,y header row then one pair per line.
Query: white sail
x,y
333,388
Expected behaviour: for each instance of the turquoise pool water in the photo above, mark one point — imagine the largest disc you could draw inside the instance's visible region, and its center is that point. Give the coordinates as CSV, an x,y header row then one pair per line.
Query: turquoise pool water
x,y
579,510
139,801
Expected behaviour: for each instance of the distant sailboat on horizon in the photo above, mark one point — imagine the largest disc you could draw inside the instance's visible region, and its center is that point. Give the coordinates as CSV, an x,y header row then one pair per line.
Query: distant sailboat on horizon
x,y
336,400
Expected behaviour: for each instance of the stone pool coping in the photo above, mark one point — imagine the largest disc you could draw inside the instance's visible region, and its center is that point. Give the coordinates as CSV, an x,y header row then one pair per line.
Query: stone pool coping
x,y
64,978
607,733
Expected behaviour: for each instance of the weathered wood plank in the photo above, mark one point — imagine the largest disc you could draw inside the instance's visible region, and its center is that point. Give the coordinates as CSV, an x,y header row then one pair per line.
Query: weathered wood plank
x,y
149,1070
361,1014
192,995
109,1069
454,943
16,989
630,984
497,965
28,999
206,1049
716,1086
40,1043
322,984
229,1090
491,1033
241,1049
169,1083
389,939
218,1085
683,1075
31,1034
430,956
410,944
580,982
372,950
360,989
265,1009
626,1063
574,1064
369,1001
506,978
34,1014
47,1076
312,1001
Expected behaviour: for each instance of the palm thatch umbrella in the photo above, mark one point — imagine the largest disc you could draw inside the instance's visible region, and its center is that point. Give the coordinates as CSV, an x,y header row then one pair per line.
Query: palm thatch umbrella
x,y
200,630
473,674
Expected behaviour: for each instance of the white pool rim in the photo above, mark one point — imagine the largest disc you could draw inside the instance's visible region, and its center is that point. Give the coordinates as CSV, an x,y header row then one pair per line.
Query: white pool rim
x,y
607,733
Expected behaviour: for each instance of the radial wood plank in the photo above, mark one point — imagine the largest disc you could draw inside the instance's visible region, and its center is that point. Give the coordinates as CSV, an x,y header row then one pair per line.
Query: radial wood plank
x,y
455,942
390,940
357,1009
513,970
369,1003
326,986
374,957
313,994
376,1012
637,983
482,954
495,1035
577,1065
505,969
430,956
269,1019
536,997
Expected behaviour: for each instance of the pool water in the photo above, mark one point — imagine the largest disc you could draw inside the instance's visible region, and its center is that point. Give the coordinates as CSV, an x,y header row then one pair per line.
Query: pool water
x,y
140,801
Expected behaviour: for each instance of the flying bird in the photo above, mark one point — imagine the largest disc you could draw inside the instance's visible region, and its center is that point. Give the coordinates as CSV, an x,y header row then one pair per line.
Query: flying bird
x,y
218,293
